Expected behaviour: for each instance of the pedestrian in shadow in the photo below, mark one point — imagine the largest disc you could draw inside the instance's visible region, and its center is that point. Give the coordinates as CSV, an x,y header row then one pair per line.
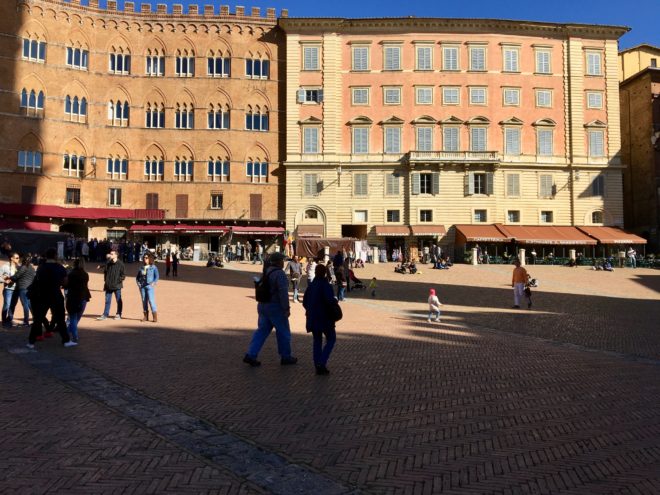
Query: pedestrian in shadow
x,y
322,311
77,297
147,277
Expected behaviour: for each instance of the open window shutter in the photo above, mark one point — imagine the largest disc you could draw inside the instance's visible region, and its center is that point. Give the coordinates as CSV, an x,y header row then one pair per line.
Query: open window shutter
x,y
320,95
319,185
415,184
301,96
489,183
436,183
470,183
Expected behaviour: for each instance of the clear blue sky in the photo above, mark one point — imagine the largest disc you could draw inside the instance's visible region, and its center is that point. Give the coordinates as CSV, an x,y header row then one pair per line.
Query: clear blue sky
x,y
643,16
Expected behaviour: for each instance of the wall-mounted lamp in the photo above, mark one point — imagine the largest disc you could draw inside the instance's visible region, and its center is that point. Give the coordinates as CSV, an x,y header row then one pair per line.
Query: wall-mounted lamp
x,y
577,175
339,170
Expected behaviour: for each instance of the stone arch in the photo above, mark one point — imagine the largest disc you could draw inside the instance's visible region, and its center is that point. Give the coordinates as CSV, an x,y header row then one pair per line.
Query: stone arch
x,y
257,152
118,93
119,149
31,142
221,97
184,151
74,147
119,43
606,217
155,43
302,218
186,96
75,87
260,94
219,148
155,150
155,95
75,36
185,43
35,30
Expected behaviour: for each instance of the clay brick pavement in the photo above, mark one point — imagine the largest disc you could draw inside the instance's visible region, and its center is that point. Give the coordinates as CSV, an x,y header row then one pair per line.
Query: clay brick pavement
x,y
561,399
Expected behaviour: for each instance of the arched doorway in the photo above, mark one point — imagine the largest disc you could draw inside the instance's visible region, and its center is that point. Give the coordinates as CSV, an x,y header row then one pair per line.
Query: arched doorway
x,y
78,230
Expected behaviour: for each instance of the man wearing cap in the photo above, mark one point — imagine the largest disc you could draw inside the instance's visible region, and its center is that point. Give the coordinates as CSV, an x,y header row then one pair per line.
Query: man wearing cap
x,y
274,313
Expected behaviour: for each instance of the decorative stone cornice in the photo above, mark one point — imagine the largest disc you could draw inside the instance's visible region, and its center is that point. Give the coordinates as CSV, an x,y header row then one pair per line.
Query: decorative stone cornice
x,y
392,25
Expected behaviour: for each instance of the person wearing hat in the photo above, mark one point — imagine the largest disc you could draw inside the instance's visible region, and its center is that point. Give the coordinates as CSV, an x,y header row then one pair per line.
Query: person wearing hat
x,y
273,313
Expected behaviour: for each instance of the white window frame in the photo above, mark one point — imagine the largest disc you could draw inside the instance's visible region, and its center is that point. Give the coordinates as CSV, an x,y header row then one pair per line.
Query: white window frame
x,y
154,169
454,129
310,185
472,90
591,98
538,96
213,176
311,141
392,184
360,216
360,185
114,196
424,62
387,216
546,185
513,185
395,61
421,140
392,139
355,91
311,62
595,148
83,58
474,130
474,215
112,173
593,62
189,169
30,162
28,44
426,210
419,90
513,63
511,97
508,219
74,171
540,145
545,221
445,92
213,203
358,67
475,67
513,148
154,65
451,61
391,95
364,140
543,66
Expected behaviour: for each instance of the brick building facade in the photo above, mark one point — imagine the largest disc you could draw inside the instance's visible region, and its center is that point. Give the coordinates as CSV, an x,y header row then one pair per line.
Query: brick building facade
x,y
138,120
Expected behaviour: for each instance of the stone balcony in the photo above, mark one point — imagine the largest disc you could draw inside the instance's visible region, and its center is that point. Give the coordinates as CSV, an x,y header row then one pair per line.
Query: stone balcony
x,y
453,157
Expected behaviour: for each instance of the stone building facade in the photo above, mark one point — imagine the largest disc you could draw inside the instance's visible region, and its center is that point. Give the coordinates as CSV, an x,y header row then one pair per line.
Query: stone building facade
x,y
640,135
139,120
407,127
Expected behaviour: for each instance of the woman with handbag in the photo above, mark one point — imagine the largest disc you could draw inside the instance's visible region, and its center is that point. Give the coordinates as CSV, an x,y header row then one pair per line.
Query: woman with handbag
x,y
322,312
147,277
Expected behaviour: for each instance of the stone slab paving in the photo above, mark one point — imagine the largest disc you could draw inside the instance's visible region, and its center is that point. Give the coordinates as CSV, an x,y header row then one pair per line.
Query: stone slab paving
x,y
561,399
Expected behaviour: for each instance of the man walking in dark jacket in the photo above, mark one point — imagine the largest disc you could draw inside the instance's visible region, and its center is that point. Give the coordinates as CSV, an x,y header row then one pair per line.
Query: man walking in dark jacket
x,y
46,293
113,277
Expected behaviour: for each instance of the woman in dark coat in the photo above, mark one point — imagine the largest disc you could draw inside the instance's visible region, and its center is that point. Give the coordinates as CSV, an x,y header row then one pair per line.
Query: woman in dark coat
x,y
319,303
77,297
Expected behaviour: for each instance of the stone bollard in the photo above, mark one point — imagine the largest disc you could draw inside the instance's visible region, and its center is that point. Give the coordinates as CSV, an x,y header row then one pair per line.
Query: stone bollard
x,y
475,261
571,254
521,256
375,254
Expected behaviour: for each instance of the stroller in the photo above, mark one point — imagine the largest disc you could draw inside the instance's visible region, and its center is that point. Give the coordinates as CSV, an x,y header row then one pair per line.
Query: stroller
x,y
356,282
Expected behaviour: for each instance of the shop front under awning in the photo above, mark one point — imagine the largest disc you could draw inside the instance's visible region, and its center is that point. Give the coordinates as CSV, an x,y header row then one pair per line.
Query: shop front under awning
x,y
480,233
243,230
177,229
392,230
612,235
539,235
428,230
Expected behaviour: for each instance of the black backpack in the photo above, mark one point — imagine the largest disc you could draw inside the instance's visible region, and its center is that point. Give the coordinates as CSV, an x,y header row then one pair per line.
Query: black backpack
x,y
262,288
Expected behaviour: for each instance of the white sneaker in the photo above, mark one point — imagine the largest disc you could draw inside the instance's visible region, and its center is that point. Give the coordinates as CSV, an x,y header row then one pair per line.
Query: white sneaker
x,y
70,343
30,346
429,320
295,300
437,320
117,317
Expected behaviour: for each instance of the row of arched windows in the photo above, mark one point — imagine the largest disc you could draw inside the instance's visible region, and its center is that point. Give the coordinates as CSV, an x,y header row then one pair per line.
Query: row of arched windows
x,y
218,115
218,62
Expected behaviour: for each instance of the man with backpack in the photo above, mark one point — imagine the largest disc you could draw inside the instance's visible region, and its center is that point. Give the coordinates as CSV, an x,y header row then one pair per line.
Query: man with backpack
x,y
272,294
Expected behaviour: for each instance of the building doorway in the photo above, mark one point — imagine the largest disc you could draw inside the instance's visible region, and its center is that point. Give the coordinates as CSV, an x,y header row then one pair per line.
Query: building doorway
x,y
78,230
354,231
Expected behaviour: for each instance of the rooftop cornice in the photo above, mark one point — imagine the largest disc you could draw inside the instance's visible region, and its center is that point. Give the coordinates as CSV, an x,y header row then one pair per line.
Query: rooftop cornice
x,y
304,25
143,11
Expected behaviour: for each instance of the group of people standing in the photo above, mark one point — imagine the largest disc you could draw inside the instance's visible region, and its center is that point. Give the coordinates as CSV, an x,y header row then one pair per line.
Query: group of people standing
x,y
44,285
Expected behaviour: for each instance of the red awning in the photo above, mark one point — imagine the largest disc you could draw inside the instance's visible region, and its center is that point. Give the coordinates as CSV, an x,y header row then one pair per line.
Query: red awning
x,y
52,211
612,235
20,225
177,229
309,231
428,230
392,230
257,230
481,233
531,234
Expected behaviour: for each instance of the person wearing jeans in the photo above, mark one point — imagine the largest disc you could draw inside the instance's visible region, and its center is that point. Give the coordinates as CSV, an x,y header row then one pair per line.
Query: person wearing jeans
x,y
77,296
23,279
8,271
274,313
113,276
317,301
146,279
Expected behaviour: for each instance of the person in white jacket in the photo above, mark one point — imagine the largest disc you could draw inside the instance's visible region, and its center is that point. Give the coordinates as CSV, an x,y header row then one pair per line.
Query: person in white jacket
x,y
434,306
